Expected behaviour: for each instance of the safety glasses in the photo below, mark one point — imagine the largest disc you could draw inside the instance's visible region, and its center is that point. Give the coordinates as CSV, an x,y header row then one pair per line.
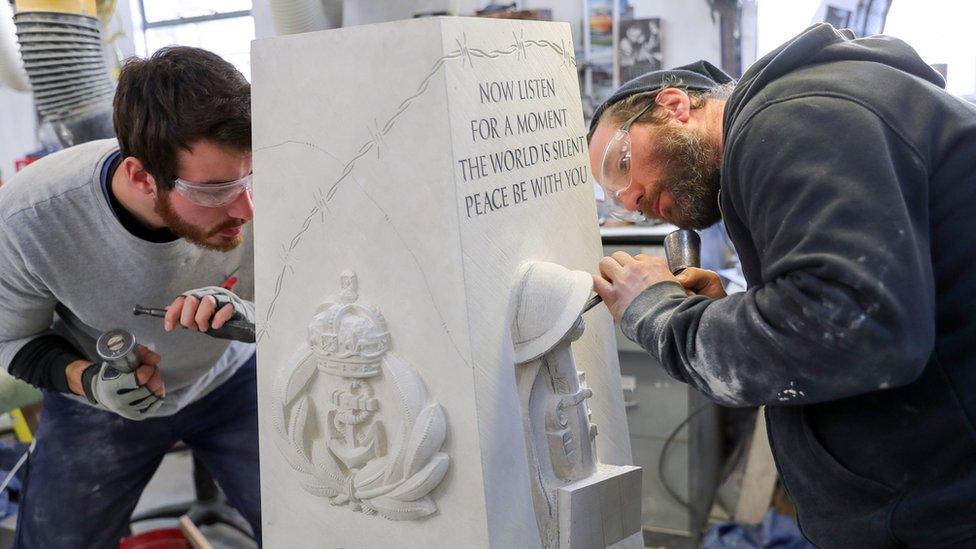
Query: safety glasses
x,y
213,195
615,176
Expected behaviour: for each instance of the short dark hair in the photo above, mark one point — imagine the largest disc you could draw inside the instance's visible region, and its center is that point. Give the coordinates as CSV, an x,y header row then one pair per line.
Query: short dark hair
x,y
176,97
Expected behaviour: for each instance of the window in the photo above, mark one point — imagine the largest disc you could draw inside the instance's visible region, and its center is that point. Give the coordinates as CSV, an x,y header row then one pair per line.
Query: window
x,y
224,27
939,30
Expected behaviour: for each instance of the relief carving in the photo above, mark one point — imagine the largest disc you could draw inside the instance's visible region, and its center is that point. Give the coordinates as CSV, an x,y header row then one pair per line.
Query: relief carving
x,y
354,421
559,433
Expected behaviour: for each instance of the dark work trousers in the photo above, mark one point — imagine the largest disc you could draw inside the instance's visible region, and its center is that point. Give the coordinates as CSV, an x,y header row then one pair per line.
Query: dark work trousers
x,y
90,466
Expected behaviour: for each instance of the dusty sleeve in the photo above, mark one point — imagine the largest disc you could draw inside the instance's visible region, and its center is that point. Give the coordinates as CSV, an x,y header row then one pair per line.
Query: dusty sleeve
x,y
838,213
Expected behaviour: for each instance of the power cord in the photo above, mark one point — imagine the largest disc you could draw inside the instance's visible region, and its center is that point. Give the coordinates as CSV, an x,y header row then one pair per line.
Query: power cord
x,y
727,471
20,463
664,453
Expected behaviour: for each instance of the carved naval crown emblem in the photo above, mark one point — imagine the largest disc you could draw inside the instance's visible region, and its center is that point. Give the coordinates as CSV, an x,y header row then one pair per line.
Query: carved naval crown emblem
x,y
349,339
339,446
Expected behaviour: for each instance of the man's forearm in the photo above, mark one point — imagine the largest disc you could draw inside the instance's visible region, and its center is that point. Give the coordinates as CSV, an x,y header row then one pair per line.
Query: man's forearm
x,y
50,362
73,373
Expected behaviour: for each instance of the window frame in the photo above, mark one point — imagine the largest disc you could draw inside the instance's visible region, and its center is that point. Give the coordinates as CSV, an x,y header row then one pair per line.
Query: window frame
x,y
141,42
146,24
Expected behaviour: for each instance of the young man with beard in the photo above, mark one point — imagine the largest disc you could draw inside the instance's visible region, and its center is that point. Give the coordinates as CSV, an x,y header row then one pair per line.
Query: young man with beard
x,y
157,217
846,177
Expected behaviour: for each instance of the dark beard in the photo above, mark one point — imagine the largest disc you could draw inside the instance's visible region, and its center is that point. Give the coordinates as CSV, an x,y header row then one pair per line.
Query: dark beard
x,y
692,174
211,240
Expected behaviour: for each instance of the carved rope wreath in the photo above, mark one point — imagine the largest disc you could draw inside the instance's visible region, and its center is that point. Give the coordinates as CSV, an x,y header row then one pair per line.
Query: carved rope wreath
x,y
395,484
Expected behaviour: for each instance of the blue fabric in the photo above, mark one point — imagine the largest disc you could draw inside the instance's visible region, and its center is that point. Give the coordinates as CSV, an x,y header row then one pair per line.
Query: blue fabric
x,y
776,532
7,504
90,466
10,454
103,177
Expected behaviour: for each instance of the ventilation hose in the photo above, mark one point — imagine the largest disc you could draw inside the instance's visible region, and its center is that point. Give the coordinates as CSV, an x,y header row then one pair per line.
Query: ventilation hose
x,y
61,47
297,16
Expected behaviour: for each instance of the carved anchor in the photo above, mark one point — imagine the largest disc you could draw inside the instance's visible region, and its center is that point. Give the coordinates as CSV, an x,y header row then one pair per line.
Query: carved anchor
x,y
348,344
354,443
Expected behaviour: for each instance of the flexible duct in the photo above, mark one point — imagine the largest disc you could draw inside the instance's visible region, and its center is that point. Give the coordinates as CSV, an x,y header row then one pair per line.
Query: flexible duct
x,y
62,54
296,16
12,72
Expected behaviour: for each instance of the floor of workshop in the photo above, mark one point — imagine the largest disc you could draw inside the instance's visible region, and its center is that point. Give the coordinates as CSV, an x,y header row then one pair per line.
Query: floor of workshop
x,y
172,484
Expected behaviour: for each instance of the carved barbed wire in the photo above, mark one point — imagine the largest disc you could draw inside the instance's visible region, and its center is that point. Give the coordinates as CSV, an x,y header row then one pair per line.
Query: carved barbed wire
x,y
463,52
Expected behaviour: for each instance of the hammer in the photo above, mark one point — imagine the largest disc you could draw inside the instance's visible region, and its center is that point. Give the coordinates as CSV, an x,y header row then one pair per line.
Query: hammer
x,y
682,248
118,348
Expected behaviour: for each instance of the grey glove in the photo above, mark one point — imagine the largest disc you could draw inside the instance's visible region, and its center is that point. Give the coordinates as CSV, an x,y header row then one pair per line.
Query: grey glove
x,y
240,326
243,310
119,392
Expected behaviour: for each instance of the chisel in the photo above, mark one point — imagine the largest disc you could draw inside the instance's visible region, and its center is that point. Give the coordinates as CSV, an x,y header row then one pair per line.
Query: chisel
x,y
237,330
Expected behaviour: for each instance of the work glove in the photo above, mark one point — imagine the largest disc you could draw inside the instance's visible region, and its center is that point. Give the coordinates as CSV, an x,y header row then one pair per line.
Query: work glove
x,y
119,392
243,309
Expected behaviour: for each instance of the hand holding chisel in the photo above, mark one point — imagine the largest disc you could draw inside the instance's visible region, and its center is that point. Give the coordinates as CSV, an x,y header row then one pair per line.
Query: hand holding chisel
x,y
682,248
237,330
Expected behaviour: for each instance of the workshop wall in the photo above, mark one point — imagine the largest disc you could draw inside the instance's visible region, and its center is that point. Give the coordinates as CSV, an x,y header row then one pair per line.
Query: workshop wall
x,y
18,129
687,30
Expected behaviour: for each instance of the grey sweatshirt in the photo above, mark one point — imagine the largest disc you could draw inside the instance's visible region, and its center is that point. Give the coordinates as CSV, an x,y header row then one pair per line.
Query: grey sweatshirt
x,y
69,267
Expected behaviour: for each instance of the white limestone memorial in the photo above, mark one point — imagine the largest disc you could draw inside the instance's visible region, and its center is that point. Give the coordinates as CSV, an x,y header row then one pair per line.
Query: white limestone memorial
x,y
425,227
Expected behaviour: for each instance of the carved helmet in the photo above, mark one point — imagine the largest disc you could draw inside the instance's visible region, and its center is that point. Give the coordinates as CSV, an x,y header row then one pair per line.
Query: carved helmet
x,y
549,299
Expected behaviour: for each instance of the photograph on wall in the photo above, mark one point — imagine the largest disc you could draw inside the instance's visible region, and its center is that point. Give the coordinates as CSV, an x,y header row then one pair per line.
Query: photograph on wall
x,y
600,24
639,47
600,52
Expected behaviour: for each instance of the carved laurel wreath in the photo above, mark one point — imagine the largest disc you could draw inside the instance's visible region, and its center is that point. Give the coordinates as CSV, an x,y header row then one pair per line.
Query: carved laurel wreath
x,y
395,485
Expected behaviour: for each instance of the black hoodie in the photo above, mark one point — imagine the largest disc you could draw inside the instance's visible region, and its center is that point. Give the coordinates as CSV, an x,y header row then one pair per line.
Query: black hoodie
x,y
849,191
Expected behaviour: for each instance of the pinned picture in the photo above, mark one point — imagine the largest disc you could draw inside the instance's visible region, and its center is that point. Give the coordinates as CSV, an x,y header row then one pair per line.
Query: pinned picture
x,y
639,47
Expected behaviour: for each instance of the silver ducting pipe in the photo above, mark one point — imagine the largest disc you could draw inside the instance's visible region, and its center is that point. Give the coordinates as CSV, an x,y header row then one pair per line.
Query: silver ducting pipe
x,y
62,54
12,72
296,16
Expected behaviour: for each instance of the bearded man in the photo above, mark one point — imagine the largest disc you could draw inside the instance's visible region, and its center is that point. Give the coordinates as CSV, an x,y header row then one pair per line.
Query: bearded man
x,y
846,178
156,217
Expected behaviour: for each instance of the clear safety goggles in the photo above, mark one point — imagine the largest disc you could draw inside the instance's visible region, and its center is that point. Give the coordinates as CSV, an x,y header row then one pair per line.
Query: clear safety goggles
x,y
615,176
213,195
